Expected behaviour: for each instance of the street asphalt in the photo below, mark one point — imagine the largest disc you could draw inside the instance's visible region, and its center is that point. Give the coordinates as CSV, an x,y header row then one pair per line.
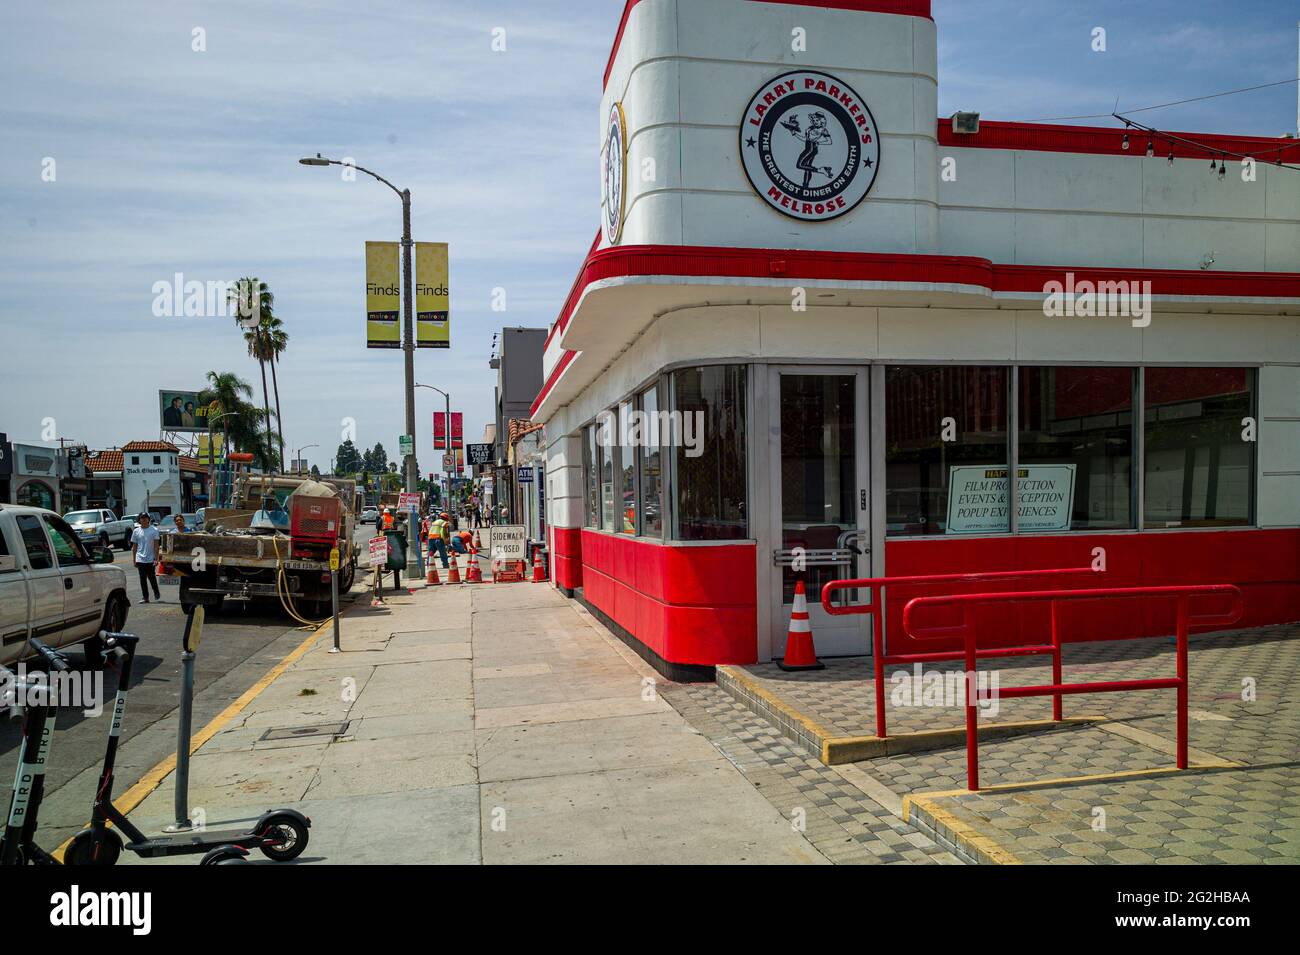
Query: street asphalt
x,y
238,647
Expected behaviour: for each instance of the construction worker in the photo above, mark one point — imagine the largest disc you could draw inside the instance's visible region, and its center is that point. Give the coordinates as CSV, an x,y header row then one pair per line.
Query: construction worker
x,y
388,519
439,534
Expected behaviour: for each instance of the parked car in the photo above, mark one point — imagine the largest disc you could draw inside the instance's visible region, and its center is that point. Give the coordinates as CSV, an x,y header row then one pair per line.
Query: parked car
x,y
369,516
52,586
101,526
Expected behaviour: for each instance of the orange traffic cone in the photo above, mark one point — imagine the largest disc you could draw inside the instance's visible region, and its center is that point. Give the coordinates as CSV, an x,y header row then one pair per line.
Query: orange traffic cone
x,y
477,545
431,578
453,572
539,572
799,651
473,573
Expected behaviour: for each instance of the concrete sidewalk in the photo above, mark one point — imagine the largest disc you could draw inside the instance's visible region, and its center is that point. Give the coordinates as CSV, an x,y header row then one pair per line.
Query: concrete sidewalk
x,y
491,723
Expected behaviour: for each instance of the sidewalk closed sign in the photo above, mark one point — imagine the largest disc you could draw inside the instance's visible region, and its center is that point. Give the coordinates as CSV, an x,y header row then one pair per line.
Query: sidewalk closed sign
x,y
506,542
978,498
378,551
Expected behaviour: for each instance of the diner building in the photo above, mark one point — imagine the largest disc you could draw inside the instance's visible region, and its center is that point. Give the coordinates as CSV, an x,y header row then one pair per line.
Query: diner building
x,y
875,341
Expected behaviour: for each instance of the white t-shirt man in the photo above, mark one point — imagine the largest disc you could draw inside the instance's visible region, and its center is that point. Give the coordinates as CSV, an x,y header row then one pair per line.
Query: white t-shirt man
x,y
145,540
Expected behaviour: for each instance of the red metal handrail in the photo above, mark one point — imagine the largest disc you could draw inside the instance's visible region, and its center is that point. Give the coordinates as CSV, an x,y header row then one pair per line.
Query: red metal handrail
x,y
877,609
971,654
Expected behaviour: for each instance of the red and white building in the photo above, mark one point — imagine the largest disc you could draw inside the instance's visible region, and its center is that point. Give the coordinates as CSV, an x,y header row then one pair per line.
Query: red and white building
x,y
873,330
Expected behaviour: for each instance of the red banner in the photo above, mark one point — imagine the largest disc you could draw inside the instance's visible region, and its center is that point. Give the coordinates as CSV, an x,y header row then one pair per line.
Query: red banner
x,y
440,430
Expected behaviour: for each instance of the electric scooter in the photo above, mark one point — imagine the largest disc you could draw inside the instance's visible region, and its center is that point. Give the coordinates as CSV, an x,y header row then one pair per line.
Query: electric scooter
x,y
281,834
18,845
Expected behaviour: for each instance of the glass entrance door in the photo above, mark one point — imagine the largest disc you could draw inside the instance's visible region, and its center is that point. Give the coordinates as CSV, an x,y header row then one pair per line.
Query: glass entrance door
x,y
820,499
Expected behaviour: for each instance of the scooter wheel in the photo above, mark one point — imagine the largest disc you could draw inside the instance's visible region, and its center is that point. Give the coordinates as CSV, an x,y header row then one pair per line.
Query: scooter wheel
x,y
85,849
290,834
226,855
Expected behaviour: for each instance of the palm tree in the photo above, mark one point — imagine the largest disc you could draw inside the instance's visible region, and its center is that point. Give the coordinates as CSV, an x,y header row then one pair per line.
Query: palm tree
x,y
226,393
250,317
275,340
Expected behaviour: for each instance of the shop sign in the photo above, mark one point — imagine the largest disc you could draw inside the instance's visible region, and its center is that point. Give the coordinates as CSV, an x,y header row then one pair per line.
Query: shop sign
x,y
506,541
978,498
526,475
809,145
479,454
613,177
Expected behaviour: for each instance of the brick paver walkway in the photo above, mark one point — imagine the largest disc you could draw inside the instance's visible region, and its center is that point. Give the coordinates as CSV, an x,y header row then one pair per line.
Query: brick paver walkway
x,y
1245,710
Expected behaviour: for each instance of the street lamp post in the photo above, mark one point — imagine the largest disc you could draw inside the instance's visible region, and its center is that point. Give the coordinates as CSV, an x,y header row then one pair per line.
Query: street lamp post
x,y
297,452
449,457
408,326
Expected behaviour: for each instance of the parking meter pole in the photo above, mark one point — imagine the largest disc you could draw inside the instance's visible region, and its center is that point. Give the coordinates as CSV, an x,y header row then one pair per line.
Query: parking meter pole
x,y
334,601
334,595
183,729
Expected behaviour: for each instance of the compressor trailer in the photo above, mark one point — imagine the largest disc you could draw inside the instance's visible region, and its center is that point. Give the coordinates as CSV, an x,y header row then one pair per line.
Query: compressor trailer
x,y
289,564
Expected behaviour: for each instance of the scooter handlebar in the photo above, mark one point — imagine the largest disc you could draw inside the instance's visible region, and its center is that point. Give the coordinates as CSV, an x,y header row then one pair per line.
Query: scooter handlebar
x,y
112,639
52,657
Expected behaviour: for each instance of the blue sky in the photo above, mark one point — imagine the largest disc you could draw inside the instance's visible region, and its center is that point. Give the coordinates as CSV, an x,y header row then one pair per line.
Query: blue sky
x,y
171,160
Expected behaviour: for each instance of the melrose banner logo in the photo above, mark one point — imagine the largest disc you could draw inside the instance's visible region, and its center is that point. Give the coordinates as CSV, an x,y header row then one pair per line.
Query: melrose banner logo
x,y
1105,299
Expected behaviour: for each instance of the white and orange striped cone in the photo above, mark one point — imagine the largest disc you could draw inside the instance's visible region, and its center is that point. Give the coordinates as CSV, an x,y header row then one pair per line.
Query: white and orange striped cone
x,y
799,651
431,578
453,572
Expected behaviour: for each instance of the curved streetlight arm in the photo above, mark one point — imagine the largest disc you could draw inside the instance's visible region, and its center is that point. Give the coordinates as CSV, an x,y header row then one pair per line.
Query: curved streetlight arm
x,y
319,160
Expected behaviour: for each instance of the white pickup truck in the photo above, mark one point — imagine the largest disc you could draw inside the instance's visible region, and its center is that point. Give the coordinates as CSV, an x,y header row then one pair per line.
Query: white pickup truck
x,y
52,586
101,527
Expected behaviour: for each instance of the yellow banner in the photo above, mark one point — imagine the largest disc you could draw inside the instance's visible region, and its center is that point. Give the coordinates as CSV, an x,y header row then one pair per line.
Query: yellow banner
x,y
383,296
432,296
209,454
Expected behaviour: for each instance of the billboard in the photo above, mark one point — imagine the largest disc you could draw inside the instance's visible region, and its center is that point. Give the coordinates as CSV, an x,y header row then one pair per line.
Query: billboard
x,y
479,454
432,296
181,411
383,296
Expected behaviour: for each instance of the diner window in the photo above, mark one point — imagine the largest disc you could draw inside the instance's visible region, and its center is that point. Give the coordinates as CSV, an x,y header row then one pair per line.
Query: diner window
x,y
651,477
590,479
1198,464
606,443
627,448
1075,448
946,450
708,438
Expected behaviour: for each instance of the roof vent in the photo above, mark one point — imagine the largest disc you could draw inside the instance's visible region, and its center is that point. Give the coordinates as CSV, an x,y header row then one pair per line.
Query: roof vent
x,y
966,123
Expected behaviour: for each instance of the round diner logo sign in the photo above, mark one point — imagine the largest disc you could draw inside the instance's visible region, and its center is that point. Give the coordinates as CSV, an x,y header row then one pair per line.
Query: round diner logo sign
x,y
613,159
810,145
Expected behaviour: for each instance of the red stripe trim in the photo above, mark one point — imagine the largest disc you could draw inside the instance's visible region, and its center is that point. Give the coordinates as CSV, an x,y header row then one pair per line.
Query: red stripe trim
x,y
551,379
703,262
1097,140
903,8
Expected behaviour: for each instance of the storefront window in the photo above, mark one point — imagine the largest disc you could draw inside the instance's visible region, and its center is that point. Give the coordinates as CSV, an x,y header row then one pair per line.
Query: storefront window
x,y
1075,451
946,450
590,479
626,470
36,494
1198,463
606,443
709,453
652,518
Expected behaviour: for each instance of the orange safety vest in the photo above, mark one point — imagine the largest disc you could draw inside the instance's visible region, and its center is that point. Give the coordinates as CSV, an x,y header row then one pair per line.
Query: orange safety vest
x,y
388,522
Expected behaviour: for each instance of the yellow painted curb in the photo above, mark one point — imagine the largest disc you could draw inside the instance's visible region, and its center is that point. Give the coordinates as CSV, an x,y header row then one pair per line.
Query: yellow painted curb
x,y
961,833
984,847
837,750
153,778
742,677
